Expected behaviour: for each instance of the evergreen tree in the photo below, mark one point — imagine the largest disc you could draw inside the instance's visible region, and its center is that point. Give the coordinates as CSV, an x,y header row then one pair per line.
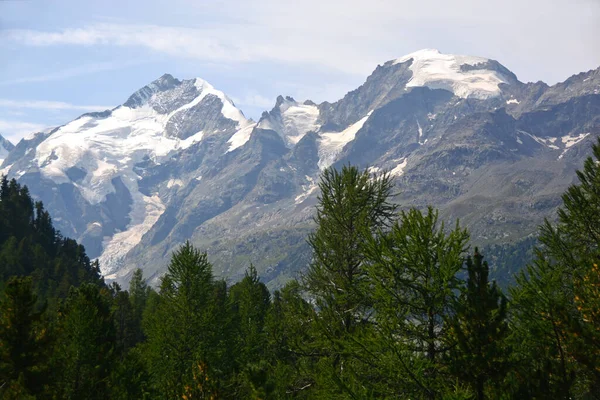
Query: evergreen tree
x,y
84,354
23,341
122,311
139,291
478,330
353,205
290,334
555,297
542,365
413,273
181,332
250,301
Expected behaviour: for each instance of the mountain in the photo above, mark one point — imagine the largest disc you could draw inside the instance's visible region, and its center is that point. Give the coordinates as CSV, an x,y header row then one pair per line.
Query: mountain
x,y
179,161
5,147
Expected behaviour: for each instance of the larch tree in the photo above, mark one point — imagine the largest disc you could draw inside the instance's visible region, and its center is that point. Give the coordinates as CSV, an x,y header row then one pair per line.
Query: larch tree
x,y
352,206
413,273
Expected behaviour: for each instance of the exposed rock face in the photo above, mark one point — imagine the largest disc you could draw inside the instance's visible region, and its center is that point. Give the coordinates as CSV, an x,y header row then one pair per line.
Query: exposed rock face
x,y
5,147
178,161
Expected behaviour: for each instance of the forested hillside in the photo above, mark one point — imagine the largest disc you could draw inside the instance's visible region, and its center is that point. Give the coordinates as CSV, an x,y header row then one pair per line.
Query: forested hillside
x,y
395,303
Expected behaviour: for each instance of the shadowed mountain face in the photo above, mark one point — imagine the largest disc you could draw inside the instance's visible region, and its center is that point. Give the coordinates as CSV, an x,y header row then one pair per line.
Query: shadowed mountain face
x,y
5,147
178,161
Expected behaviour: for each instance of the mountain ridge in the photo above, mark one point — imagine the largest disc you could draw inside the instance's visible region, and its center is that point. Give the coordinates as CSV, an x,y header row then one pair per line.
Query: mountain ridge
x,y
178,160
5,148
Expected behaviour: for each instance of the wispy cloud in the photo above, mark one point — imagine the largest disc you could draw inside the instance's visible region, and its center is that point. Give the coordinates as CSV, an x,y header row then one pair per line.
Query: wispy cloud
x,y
352,36
69,73
15,130
219,44
49,105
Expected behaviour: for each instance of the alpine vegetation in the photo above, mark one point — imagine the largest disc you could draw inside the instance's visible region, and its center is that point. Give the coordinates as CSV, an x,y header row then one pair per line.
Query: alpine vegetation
x,y
394,302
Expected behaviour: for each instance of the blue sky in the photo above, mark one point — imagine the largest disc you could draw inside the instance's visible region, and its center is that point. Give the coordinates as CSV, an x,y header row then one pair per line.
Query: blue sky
x,y
59,59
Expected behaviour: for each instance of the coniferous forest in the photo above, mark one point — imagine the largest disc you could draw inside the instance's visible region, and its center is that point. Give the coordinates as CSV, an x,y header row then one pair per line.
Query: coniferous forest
x,y
394,304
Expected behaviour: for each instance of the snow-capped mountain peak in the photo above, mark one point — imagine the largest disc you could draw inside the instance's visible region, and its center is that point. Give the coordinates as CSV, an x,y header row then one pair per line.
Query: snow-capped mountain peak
x,y
291,119
140,97
465,76
104,156
153,126
229,109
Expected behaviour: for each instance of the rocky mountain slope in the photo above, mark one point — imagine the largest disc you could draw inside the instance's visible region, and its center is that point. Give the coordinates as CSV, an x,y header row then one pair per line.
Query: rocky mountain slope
x,y
5,147
178,161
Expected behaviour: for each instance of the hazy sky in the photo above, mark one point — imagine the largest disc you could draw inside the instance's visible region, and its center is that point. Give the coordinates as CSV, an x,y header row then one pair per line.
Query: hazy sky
x,y
59,59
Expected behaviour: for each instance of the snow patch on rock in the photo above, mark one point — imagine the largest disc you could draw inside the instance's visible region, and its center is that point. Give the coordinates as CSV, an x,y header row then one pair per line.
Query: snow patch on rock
x,y
240,138
174,182
548,141
146,210
307,190
420,133
570,141
293,122
332,143
229,110
399,169
5,147
3,154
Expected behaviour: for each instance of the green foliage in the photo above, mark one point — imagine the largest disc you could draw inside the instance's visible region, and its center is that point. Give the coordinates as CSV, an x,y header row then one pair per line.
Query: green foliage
x,y
181,332
124,320
30,246
23,341
85,344
139,291
478,330
290,351
129,377
250,301
352,207
413,273
388,308
557,298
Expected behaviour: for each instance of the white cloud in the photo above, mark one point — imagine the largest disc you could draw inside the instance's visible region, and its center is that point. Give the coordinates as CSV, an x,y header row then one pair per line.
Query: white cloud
x,y
537,39
220,44
69,73
49,105
15,130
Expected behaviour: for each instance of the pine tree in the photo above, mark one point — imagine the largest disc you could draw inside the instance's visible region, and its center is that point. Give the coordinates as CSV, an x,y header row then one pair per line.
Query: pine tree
x,y
38,268
123,317
413,271
139,291
353,205
84,354
478,330
250,301
23,340
181,332
290,334
555,296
